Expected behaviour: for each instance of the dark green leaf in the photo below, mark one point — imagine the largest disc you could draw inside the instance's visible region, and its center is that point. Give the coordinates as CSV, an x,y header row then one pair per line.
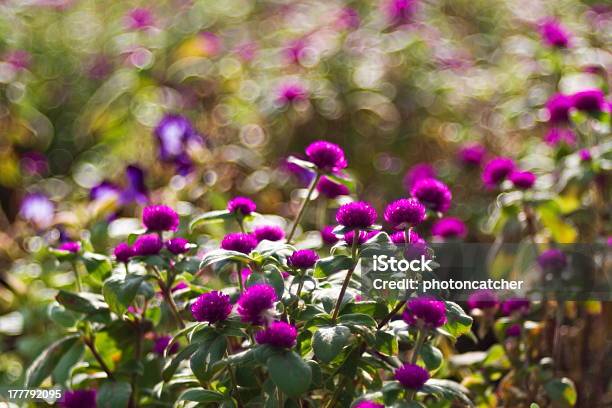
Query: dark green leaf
x,y
199,395
458,322
114,394
210,217
173,364
44,364
432,356
219,255
562,391
82,302
207,354
357,319
97,264
119,290
290,373
327,342
327,266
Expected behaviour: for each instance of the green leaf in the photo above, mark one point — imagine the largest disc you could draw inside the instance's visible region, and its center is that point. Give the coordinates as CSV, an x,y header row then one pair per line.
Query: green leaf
x,y
458,322
61,372
432,356
290,373
97,264
120,289
210,217
562,391
219,255
357,319
447,389
44,364
207,354
114,394
343,179
332,264
327,342
200,395
61,316
173,364
82,302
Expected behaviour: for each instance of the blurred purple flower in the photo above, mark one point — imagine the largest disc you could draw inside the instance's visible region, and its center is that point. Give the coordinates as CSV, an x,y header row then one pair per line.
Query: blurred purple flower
x,y
331,189
139,19
472,155
18,59
78,399
161,344
326,156
425,310
70,246
277,334
589,100
34,163
418,172
553,260
483,299
147,244
364,236
514,330
356,215
585,155
327,235
405,212
289,92
523,180
368,404
268,232
37,209
241,206
496,171
553,33
239,242
348,19
123,252
449,228
558,107
160,218
400,11
303,259
294,50
247,51
211,307
434,194
399,238
136,190
177,245
304,176
175,134
255,302
411,376
560,135
105,191
515,305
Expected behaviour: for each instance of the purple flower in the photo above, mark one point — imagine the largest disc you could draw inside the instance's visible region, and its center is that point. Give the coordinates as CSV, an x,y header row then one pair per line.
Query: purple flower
x,y
496,171
515,305
177,245
348,18
448,228
147,244
161,344
277,334
136,190
411,376
589,100
434,194
303,175
268,232
405,212
400,11
303,259
211,307
105,191
295,50
78,399
558,135
139,19
239,242
364,236
123,252
553,33
558,107
399,238
160,218
291,92
326,156
175,134
368,404
514,330
37,209
483,299
18,59
472,155
71,246
255,303
328,236
34,163
523,180
553,260
241,206
585,155
331,189
356,215
426,311
179,286
418,172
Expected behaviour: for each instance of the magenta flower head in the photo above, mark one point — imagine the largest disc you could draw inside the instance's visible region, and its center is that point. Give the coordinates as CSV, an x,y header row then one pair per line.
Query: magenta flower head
x,y
303,259
268,232
411,376
364,236
418,172
472,155
37,209
177,245
78,399
331,189
425,311
515,305
123,252
523,180
589,100
405,212
554,34
71,246
328,236
560,135
239,242
449,228
161,344
585,155
241,206
399,238
400,11
255,302
277,334
514,330
552,260
348,18
328,157
368,404
483,299
433,193
558,107
211,307
139,19
356,215
147,244
496,171
160,218
291,92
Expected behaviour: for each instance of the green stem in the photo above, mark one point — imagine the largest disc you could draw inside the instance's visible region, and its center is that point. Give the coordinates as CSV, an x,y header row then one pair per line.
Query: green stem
x,y
300,213
349,274
166,293
239,274
77,278
417,347
392,313
89,342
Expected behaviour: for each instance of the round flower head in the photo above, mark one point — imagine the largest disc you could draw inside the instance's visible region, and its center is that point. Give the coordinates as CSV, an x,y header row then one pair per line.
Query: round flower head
x,y
434,194
241,205
405,212
523,180
291,92
411,376
326,156
515,305
496,171
357,214
255,302
123,252
449,228
400,11
364,236
177,245
589,100
425,310
328,236
160,218
560,135
71,246
585,155
147,244
554,34
268,232
514,330
399,238
277,334
553,260
418,172
558,107
331,189
211,307
78,399
161,344
303,259
239,242
472,155
483,299
368,404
